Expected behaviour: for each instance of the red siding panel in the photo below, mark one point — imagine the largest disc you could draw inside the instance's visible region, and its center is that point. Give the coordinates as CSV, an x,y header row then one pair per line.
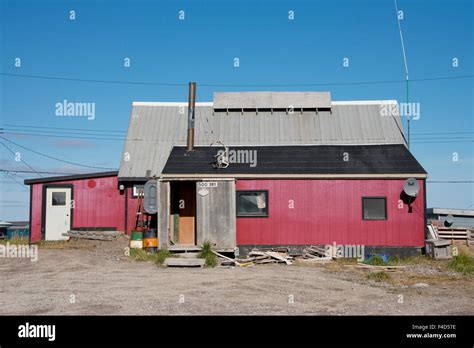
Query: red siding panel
x,y
327,211
97,203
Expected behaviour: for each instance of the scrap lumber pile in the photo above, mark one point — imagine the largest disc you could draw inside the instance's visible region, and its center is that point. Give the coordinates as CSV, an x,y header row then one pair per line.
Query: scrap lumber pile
x,y
96,235
315,253
258,257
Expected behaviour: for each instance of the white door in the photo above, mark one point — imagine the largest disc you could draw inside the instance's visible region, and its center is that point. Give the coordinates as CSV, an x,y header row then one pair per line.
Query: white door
x,y
58,213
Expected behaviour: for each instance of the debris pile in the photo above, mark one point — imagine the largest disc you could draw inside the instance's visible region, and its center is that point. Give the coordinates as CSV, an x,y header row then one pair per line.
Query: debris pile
x,y
316,254
258,257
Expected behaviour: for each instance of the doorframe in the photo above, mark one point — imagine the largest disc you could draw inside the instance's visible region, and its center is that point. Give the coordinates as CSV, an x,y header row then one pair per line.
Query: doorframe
x,y
170,205
44,203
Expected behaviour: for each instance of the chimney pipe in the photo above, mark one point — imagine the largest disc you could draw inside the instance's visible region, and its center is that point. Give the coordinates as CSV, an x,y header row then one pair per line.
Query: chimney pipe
x,y
191,105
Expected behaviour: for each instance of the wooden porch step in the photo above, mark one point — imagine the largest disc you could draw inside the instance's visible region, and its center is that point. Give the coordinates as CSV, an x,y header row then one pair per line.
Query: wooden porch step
x,y
184,248
184,262
187,255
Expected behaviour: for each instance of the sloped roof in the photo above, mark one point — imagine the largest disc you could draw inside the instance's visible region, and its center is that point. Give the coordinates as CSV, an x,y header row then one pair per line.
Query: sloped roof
x,y
154,129
287,160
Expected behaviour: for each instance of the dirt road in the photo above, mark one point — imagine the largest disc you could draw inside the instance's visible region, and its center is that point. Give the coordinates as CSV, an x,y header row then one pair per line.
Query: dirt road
x,y
101,280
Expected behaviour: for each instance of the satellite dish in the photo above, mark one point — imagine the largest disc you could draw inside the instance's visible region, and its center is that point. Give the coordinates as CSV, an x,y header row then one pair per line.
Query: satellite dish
x,y
411,187
449,220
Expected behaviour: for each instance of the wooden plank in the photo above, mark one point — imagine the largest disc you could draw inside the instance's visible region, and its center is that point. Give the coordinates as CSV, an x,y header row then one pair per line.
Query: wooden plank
x,y
363,265
225,257
186,230
184,262
163,214
278,257
267,261
257,253
317,260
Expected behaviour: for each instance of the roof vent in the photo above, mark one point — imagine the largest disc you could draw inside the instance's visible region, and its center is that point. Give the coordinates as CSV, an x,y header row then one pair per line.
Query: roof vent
x,y
271,100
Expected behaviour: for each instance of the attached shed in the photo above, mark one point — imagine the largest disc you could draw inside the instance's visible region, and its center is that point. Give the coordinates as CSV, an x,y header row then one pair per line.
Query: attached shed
x,y
87,201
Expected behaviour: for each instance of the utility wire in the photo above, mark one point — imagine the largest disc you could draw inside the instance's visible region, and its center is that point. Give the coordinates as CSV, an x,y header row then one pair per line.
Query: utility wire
x,y
17,182
450,181
59,128
63,136
54,158
437,78
22,160
35,172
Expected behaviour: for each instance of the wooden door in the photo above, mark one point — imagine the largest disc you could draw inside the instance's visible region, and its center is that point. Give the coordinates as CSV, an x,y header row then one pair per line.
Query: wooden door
x,y
187,213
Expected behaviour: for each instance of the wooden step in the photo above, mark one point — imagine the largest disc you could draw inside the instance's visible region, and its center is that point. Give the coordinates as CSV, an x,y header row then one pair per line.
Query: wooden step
x,y
187,255
184,247
184,262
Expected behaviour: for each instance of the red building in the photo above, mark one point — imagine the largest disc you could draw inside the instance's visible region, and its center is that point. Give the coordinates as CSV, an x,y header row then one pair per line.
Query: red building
x,y
313,171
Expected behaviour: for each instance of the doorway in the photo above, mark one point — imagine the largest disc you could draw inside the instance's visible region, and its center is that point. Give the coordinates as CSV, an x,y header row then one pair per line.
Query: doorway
x,y
183,213
57,209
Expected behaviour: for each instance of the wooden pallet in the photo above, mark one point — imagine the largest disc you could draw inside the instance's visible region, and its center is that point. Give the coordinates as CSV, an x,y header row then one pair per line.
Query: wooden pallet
x,y
454,233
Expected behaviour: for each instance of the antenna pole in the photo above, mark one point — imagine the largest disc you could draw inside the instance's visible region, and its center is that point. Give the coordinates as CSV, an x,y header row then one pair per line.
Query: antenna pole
x,y
406,70
408,117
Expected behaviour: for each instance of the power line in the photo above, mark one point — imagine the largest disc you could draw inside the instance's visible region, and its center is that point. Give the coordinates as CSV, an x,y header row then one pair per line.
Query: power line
x,y
419,136
79,129
22,160
54,158
17,182
436,139
35,172
442,142
58,132
442,133
450,181
438,78
63,136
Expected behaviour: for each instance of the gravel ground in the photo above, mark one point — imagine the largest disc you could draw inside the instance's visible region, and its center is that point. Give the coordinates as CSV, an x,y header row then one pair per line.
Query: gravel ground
x,y
96,278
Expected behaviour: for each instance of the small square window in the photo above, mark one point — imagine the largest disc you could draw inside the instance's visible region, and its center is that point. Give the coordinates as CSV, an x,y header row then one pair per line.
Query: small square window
x,y
374,208
59,198
252,203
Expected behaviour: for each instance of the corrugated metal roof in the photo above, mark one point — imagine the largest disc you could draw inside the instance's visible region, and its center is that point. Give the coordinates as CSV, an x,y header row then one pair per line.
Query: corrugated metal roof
x,y
155,128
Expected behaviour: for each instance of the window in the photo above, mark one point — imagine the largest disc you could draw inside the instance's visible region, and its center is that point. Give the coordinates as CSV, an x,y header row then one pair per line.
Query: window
x,y
59,198
374,208
252,203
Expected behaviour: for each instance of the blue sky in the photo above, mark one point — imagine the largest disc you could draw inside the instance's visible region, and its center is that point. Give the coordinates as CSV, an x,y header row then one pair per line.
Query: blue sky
x,y
272,50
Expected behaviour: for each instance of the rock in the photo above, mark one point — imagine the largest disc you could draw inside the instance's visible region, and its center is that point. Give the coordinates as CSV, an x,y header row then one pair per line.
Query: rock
x,y
420,285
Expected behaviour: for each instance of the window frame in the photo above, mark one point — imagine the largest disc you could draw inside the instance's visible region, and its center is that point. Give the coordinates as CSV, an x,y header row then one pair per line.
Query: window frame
x,y
238,193
375,197
58,205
